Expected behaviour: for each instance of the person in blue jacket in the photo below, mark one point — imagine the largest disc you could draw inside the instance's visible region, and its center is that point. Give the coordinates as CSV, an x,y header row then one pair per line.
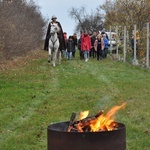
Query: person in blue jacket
x,y
106,45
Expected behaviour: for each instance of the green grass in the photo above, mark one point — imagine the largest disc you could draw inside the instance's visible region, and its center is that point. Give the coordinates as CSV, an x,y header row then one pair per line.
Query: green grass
x,y
35,94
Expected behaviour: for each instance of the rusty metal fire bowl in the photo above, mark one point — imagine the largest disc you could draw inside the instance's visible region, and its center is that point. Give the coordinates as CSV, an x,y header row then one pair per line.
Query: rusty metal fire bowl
x,y
59,139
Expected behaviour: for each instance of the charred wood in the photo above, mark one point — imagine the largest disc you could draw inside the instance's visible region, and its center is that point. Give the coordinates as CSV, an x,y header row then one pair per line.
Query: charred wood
x,y
82,125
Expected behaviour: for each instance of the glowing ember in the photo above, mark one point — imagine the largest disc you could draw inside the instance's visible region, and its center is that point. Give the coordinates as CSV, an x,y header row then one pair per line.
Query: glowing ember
x,y
99,122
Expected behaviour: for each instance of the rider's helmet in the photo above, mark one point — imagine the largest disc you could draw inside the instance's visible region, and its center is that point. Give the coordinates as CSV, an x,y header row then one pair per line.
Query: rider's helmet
x,y
53,17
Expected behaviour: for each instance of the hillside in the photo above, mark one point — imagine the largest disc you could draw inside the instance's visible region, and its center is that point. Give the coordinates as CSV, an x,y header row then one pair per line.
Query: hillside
x,y
34,94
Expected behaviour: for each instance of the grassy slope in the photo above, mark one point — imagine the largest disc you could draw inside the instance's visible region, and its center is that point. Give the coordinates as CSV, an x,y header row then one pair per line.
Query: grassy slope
x,y
35,94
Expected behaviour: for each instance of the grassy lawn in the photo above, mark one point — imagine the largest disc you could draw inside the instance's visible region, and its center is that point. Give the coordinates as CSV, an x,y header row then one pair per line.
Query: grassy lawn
x,y
34,94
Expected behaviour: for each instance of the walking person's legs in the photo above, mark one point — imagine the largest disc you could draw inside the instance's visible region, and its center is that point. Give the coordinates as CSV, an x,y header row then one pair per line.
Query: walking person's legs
x,y
86,55
68,55
106,51
101,54
97,54
73,53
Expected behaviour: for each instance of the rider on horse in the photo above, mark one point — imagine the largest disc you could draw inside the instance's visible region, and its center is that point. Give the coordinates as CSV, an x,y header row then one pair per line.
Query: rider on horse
x,y
60,35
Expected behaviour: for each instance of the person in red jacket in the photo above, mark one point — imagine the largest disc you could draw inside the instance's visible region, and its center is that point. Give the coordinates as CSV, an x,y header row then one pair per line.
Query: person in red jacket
x,y
86,45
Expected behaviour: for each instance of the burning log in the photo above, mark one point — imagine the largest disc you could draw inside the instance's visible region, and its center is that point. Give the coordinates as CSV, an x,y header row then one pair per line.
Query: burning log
x,y
82,125
72,120
96,123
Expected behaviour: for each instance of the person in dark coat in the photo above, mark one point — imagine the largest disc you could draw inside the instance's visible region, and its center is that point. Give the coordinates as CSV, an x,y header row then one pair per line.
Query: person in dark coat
x,y
60,35
75,44
93,38
70,47
79,48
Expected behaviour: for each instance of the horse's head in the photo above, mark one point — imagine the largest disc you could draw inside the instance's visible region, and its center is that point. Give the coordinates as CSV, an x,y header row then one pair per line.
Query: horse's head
x,y
54,28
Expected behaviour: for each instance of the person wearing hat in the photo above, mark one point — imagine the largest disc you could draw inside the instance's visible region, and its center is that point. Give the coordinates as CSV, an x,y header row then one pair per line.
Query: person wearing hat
x,y
60,35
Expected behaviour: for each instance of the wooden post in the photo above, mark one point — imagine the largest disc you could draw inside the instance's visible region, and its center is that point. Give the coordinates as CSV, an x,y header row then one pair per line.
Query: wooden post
x,y
117,40
134,42
147,54
110,42
127,38
124,45
135,61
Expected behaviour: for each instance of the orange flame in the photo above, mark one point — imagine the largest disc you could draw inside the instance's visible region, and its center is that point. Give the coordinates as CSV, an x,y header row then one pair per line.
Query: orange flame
x,y
103,122
83,114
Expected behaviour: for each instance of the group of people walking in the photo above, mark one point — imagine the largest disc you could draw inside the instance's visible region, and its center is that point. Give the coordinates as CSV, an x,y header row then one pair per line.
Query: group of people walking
x,y
95,45
71,46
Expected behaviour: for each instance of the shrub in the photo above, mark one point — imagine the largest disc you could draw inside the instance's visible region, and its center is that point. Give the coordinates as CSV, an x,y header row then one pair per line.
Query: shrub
x,y
22,28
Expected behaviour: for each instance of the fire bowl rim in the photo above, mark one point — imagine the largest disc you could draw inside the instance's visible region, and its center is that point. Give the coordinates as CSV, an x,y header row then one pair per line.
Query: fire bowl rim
x,y
51,128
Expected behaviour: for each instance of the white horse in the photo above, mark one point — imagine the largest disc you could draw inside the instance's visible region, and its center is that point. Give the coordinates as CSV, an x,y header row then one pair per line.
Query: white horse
x,y
54,44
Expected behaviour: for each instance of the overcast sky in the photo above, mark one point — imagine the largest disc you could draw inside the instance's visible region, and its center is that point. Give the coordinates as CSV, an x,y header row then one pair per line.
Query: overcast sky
x,y
60,9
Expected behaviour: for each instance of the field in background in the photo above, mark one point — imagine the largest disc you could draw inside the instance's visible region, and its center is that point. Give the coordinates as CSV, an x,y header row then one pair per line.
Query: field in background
x,y
34,94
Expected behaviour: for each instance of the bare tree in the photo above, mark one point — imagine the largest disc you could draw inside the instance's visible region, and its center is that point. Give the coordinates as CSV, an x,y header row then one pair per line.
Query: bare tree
x,y
90,22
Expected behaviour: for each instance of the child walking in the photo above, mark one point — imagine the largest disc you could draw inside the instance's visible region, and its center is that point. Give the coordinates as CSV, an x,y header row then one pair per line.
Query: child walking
x,y
70,47
106,45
